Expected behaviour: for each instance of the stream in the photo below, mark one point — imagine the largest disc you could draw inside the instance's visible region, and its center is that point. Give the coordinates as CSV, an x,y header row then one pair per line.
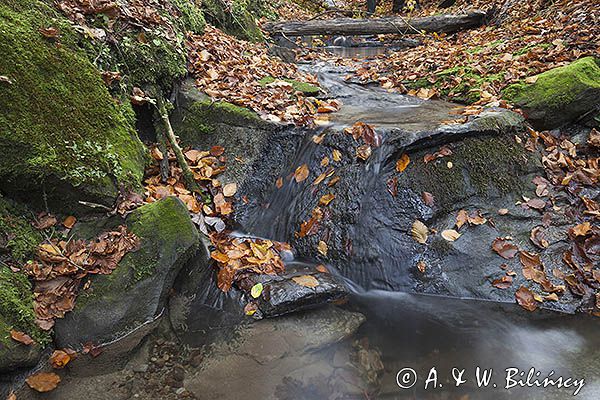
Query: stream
x,y
324,354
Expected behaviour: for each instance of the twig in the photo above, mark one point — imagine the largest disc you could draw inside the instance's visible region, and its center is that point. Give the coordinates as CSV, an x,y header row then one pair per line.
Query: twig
x,y
95,205
188,176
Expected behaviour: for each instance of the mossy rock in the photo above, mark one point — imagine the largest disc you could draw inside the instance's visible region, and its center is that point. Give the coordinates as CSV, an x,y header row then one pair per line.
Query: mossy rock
x,y
197,116
237,18
560,95
18,239
16,312
137,290
306,88
61,134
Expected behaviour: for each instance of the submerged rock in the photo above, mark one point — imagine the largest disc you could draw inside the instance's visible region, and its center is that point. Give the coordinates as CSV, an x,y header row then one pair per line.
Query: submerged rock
x,y
270,358
136,292
560,95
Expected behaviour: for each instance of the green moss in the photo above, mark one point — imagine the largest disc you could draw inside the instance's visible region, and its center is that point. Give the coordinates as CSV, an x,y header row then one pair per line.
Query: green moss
x,y
191,18
237,17
485,166
202,116
59,122
21,239
16,308
306,88
557,87
165,229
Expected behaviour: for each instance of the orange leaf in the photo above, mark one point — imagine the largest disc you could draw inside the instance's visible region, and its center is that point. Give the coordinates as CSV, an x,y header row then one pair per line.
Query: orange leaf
x,y
59,359
402,162
69,222
43,382
301,173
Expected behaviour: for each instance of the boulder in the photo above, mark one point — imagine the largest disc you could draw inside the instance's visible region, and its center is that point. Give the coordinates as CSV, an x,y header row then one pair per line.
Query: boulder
x,y
136,292
62,135
560,95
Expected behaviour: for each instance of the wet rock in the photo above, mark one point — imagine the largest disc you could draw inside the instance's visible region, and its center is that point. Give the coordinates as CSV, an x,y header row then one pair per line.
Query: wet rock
x,y
559,95
268,353
136,292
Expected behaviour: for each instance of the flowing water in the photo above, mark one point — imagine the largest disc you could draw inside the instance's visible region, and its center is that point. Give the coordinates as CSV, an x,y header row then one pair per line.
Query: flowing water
x,y
411,346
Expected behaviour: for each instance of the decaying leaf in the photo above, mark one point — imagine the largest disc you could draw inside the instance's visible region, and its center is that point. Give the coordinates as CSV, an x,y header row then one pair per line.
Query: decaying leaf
x,y
428,199
450,235
504,248
461,218
363,152
69,222
322,268
43,381
421,266
21,337
526,299
336,155
326,199
306,280
581,230
503,283
279,183
419,232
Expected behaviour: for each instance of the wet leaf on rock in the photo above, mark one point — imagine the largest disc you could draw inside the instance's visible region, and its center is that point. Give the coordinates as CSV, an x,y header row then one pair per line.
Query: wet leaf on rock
x,y
402,163
322,248
419,232
59,359
504,248
450,235
306,280
503,283
256,290
526,299
301,173
43,381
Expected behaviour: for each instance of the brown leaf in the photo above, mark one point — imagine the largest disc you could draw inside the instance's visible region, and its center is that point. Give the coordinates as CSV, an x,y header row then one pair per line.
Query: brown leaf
x,y
536,203
402,163
69,222
301,173
21,337
322,268
581,229
49,32
336,155
503,283
504,249
217,151
43,381
537,237
526,299
363,152
428,199
306,280
461,218
279,183
421,266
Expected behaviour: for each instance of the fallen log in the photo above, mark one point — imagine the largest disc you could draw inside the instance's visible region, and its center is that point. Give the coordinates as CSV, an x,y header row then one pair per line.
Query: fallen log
x,y
447,23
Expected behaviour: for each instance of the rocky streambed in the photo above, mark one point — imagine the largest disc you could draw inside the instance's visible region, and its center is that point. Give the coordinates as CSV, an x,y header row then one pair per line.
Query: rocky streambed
x,y
172,333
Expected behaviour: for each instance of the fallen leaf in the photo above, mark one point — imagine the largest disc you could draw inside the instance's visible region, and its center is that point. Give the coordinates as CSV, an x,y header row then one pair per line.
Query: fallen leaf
x,y
402,163
363,152
21,337
301,173
419,232
322,248
450,235
322,268
461,218
526,299
326,199
581,229
306,280
503,283
256,290
503,211
279,183
336,155
421,266
230,189
250,309
217,151
428,199
59,359
43,381
69,222
504,249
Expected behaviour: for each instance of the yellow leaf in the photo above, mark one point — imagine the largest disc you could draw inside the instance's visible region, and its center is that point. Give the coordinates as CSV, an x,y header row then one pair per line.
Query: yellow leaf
x,y
326,199
450,235
419,232
402,162
322,247
301,173
256,290
336,155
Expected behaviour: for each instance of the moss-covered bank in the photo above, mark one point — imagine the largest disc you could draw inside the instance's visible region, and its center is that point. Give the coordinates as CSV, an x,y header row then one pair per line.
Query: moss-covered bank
x,y
559,95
